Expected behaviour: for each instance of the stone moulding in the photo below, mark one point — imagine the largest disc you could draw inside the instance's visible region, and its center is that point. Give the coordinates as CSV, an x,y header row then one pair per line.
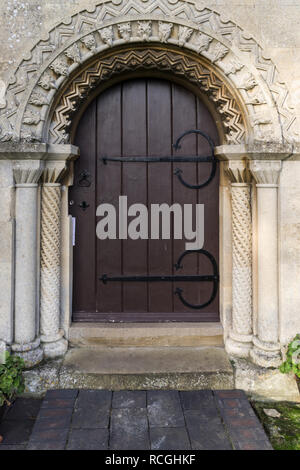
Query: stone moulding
x,y
113,23
168,61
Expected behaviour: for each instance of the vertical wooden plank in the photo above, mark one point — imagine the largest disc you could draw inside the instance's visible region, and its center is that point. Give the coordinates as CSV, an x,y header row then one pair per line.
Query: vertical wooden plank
x,y
84,250
160,190
184,119
109,252
134,185
209,196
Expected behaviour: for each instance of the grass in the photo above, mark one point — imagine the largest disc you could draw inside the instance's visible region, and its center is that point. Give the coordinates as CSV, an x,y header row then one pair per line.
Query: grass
x,y
284,430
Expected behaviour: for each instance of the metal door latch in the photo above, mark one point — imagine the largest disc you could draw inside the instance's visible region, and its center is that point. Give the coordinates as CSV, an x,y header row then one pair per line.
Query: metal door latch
x,y
83,181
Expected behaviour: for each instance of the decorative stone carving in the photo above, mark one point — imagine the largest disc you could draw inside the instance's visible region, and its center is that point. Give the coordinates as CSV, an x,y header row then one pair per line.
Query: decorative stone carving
x,y
184,34
38,99
219,53
256,99
266,171
164,31
257,122
31,117
232,67
248,82
240,337
47,82
238,172
151,58
6,130
29,136
260,120
145,30
283,116
73,53
26,173
60,67
125,31
51,336
202,42
89,42
107,35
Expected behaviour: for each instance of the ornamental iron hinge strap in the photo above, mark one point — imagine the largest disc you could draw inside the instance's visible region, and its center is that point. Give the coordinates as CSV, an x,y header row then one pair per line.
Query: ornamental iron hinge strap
x,y
214,278
170,158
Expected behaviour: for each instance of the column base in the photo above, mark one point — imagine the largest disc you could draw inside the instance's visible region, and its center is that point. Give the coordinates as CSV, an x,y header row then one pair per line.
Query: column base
x,y
30,352
3,349
56,348
238,345
266,354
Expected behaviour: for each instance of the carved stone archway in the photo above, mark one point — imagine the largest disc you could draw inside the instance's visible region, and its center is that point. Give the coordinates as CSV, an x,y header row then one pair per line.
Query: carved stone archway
x,y
169,62
71,46
180,38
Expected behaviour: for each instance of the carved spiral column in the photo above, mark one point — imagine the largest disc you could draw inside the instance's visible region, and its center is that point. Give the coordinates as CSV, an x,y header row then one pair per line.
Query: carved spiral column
x,y
53,343
26,343
266,351
239,342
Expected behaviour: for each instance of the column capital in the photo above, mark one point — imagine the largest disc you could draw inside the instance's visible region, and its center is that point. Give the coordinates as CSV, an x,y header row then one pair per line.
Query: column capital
x,y
266,172
53,171
27,172
237,171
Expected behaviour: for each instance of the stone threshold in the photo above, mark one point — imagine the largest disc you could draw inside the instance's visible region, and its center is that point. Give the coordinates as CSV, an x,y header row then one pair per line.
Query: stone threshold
x,y
146,334
159,368
134,369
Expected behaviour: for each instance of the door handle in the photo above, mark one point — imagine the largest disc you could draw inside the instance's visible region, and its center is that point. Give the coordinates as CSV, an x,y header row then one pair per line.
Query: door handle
x,y
84,181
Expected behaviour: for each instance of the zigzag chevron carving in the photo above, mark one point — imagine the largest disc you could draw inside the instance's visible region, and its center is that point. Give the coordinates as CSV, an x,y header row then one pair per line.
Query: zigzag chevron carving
x,y
116,22
147,59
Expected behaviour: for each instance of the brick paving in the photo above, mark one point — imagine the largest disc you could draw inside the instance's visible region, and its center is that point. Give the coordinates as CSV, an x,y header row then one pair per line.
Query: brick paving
x,y
17,425
134,420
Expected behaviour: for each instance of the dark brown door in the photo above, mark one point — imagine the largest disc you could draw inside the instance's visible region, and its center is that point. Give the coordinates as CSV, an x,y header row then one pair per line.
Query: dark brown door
x,y
141,117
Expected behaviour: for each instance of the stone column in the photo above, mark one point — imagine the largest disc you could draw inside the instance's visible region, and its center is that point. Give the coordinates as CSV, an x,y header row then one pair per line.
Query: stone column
x,y
239,342
7,246
266,351
26,343
53,342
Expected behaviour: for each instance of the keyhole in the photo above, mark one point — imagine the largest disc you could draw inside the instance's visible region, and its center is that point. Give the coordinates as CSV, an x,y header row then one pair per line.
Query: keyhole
x,y
84,205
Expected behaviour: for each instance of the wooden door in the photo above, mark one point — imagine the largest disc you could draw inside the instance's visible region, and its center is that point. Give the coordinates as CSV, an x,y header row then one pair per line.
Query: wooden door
x,y
141,117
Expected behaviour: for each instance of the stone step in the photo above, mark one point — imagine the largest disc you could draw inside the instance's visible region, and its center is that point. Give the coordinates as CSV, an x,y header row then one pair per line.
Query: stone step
x,y
146,334
159,368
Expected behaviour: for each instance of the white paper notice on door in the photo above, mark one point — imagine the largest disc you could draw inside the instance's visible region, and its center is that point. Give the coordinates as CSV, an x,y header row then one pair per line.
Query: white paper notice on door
x,y
74,230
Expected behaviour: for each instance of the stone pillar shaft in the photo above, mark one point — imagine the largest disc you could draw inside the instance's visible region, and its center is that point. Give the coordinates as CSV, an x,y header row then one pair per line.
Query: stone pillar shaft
x,y
239,342
54,344
266,352
267,263
26,342
26,259
241,258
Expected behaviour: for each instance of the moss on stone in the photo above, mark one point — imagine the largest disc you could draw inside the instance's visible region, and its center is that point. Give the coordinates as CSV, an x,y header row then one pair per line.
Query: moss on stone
x,y
283,431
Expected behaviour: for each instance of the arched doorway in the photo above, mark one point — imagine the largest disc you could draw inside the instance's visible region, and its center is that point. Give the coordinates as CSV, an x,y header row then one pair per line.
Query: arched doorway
x,y
141,117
